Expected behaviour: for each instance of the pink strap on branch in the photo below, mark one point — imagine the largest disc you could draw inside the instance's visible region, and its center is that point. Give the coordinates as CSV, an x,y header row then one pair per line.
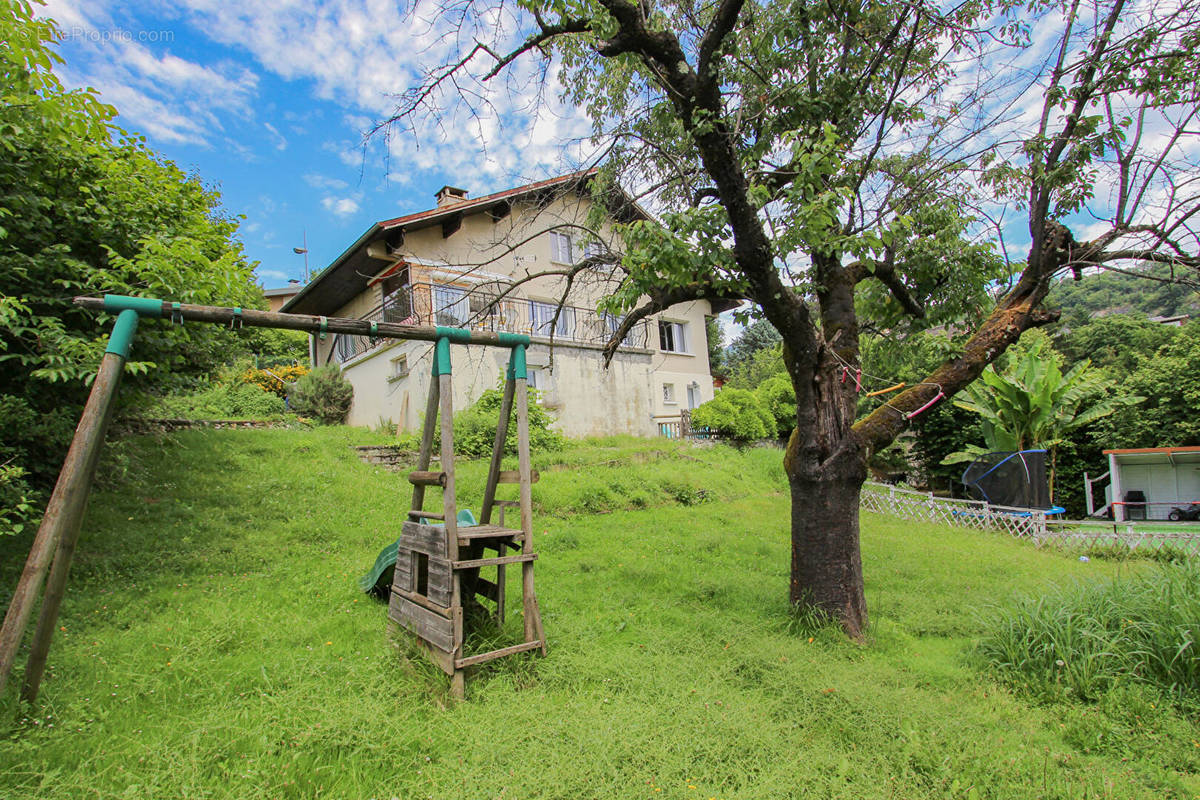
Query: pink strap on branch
x,y
857,381
926,407
845,372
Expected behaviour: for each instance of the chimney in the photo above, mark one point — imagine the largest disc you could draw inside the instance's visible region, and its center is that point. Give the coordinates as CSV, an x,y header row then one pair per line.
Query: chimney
x,y
449,195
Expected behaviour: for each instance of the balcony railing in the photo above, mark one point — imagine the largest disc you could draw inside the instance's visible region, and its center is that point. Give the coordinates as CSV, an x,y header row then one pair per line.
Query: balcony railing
x,y
481,309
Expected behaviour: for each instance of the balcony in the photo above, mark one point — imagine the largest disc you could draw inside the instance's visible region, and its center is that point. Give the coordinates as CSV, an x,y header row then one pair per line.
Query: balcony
x,y
480,308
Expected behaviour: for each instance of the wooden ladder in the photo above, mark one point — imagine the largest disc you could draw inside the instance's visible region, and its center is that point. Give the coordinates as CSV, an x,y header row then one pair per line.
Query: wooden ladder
x,y
465,547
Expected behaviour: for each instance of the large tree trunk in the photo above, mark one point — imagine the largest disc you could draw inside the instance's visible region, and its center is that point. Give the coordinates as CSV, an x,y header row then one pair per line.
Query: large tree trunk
x,y
826,464
826,563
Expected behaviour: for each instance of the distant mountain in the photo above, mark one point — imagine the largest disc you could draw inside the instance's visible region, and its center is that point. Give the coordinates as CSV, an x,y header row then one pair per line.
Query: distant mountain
x,y
1120,293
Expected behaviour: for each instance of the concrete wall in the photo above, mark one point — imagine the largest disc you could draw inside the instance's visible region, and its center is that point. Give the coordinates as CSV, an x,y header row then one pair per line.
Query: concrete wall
x,y
584,398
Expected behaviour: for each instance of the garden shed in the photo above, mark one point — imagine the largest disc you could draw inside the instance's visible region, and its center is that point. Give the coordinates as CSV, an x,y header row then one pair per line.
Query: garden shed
x,y
1146,483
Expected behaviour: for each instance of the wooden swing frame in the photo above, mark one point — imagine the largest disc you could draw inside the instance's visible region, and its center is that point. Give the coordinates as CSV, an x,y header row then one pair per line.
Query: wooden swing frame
x,y
54,544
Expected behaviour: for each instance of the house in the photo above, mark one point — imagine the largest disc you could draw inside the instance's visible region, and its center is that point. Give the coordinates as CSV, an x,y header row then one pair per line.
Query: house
x,y
1147,482
480,263
278,298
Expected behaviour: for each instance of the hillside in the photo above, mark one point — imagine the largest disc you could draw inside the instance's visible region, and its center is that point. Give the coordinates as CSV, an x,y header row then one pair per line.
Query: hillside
x,y
1120,293
215,645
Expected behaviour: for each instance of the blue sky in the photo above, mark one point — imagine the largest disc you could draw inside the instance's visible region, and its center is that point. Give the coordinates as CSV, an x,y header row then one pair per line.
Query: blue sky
x,y
269,102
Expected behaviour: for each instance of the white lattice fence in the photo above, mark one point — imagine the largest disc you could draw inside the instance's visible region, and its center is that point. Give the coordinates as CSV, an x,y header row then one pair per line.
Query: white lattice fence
x,y
1126,535
907,504
1025,523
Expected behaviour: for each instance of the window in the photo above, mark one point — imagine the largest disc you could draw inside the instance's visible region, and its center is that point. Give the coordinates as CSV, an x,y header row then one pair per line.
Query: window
x,y
669,393
693,396
451,307
483,301
542,317
400,366
612,324
672,336
395,282
535,378
560,248
397,298
346,347
594,249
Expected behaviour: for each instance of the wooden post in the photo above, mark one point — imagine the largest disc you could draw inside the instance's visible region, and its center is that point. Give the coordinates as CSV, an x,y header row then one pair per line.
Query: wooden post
x,y
533,616
493,478
64,515
431,409
442,374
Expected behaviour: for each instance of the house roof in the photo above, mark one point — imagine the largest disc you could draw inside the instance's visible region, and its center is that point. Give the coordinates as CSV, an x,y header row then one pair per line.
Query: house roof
x,y
1148,450
1156,455
348,275
283,292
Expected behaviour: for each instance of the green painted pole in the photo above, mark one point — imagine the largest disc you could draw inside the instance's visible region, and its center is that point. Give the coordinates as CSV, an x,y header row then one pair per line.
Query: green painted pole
x,y
60,526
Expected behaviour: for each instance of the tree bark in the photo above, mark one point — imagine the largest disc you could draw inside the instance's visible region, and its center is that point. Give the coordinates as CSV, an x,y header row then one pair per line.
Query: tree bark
x,y
826,561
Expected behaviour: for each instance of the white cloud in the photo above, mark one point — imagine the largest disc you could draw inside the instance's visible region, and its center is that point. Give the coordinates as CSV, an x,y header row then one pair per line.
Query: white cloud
x,y
281,143
340,206
170,98
360,53
318,181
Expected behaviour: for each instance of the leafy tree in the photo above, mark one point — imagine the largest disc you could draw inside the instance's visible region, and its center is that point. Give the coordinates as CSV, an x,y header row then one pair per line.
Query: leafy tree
x,y
779,399
810,159
758,335
716,351
759,367
1118,343
1150,292
81,213
1169,380
1033,405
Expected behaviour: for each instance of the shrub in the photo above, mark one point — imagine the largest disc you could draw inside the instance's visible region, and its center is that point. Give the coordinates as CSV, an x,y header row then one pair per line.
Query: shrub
x,y
276,380
475,427
1089,640
323,394
221,401
778,397
736,413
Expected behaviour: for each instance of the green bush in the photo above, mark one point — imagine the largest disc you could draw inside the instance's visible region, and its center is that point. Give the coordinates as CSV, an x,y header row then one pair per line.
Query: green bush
x,y
1088,640
736,413
475,427
220,401
778,397
324,395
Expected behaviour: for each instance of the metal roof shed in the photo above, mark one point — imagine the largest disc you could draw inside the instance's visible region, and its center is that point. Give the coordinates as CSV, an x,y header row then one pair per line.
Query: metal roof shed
x,y
1147,482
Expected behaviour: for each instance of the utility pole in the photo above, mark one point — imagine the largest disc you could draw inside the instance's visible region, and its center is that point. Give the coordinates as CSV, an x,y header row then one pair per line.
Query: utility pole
x,y
303,251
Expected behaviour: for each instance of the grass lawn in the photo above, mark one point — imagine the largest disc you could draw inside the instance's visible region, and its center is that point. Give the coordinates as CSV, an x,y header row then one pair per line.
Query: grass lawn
x,y
215,645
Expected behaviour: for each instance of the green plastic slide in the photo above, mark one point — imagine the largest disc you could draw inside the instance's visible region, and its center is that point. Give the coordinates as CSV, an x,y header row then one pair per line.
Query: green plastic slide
x,y
378,581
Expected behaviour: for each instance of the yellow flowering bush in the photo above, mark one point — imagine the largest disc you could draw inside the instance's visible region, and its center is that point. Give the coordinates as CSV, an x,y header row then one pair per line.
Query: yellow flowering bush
x,y
276,379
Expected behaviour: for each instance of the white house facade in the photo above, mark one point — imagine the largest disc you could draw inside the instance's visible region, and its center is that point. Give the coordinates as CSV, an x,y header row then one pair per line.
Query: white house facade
x,y
482,264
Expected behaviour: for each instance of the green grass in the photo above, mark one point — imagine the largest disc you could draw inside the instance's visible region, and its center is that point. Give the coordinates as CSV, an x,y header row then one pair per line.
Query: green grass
x,y
215,646
1090,639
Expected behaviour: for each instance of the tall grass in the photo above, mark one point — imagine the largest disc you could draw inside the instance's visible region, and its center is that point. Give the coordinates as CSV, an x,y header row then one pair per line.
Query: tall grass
x,y
1090,639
